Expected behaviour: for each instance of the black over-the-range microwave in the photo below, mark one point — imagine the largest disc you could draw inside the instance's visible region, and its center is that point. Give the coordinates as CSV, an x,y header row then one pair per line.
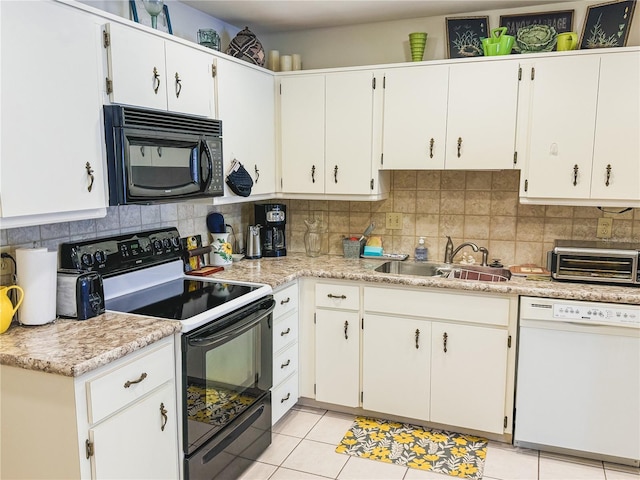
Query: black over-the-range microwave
x,y
156,156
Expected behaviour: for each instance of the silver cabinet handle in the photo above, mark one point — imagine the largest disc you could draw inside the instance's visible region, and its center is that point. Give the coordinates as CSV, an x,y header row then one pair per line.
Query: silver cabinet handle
x,y
128,383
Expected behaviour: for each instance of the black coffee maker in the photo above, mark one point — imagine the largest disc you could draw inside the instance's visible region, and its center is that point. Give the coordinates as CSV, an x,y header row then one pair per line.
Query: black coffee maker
x,y
272,217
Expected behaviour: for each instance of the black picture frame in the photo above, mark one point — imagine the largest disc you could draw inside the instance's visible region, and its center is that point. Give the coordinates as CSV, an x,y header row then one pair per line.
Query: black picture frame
x,y
561,20
607,25
464,34
140,15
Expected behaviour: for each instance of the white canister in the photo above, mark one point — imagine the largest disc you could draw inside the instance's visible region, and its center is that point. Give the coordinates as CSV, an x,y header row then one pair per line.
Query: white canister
x,y
38,277
296,60
285,63
221,251
274,61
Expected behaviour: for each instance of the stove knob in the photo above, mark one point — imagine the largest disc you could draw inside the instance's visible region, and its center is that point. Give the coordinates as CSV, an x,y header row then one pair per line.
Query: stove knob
x,y
87,259
157,245
100,256
175,241
166,243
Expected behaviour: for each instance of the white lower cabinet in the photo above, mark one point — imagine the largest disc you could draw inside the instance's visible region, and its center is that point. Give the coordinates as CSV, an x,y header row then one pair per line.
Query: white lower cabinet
x,y
284,393
119,421
445,357
396,365
468,376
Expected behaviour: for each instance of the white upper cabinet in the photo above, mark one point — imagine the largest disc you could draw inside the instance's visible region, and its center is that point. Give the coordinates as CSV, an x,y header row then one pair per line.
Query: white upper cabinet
x,y
481,115
149,71
562,112
580,117
302,133
52,153
349,132
415,112
246,106
616,155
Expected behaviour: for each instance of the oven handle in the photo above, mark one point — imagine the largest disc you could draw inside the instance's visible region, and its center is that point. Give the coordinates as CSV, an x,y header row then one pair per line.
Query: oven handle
x,y
236,329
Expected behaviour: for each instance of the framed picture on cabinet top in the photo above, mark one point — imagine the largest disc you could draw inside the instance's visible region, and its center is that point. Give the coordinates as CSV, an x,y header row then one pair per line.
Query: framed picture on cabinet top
x,y
607,25
561,21
464,34
140,15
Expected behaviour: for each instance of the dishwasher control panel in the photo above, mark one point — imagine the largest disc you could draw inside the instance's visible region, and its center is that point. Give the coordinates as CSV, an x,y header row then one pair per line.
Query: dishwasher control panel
x,y
597,314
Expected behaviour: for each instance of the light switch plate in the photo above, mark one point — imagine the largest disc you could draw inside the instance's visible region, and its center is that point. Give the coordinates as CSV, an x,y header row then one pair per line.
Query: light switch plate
x,y
394,221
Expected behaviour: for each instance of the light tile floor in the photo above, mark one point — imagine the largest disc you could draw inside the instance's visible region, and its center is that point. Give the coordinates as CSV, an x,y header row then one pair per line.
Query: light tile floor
x,y
304,441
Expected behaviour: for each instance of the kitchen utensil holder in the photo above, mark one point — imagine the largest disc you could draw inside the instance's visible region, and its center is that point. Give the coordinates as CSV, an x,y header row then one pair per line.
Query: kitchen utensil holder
x,y
352,248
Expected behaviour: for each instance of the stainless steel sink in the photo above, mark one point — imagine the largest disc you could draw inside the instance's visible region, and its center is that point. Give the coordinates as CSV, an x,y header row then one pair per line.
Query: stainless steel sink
x,y
414,268
465,272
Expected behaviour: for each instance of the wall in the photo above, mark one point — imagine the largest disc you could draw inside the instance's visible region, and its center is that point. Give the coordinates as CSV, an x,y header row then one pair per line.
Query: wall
x,y
388,42
481,207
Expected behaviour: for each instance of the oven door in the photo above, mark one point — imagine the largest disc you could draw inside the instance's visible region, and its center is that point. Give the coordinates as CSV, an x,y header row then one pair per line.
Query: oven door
x,y
227,369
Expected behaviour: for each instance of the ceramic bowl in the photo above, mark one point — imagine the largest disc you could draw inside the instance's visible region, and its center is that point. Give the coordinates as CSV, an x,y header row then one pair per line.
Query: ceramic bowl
x,y
237,256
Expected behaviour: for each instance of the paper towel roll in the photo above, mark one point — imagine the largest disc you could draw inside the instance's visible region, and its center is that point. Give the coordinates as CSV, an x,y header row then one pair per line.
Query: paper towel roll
x,y
37,275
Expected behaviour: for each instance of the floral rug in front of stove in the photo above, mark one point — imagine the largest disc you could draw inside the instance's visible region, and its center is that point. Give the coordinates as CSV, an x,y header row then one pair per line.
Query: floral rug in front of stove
x,y
412,446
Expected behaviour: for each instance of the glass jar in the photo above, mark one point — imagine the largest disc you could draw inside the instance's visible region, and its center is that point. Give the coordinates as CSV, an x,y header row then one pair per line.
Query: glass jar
x,y
313,237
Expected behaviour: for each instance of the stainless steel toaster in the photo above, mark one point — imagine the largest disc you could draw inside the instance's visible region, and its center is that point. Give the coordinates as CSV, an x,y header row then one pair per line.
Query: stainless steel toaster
x,y
79,294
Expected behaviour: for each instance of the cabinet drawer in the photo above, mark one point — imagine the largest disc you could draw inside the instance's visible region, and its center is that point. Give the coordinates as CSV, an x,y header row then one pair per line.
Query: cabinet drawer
x,y
286,300
111,391
465,307
285,331
283,397
345,297
285,363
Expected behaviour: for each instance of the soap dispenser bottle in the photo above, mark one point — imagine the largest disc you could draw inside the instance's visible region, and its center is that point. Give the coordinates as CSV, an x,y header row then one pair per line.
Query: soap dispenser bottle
x,y
420,254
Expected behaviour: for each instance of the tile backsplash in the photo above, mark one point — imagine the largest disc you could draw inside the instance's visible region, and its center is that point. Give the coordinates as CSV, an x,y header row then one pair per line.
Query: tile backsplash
x,y
480,207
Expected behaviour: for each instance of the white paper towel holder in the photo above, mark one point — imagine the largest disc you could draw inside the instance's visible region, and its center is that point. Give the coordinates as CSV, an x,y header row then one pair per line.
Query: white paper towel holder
x,y
36,270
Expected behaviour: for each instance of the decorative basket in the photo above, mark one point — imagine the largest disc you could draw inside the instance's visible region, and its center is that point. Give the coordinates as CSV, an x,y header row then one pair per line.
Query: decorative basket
x,y
352,248
247,47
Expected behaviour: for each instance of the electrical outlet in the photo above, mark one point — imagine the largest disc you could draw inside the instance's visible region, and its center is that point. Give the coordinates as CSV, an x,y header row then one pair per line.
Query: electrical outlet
x,y
6,265
605,225
394,221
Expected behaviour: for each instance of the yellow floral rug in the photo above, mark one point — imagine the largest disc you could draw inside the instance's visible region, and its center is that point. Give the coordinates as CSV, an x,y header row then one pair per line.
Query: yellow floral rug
x,y
412,446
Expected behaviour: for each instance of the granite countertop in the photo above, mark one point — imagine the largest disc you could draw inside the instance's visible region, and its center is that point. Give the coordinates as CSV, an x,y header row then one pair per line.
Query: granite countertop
x,y
72,348
278,271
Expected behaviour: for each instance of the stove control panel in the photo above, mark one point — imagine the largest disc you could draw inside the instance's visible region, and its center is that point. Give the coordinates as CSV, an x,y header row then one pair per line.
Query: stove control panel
x,y
121,253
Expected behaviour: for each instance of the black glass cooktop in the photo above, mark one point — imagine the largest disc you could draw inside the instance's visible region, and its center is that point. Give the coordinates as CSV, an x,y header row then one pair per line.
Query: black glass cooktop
x,y
179,299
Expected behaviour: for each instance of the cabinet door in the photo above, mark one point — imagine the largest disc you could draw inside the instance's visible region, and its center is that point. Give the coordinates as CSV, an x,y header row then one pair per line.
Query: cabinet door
x,y
139,442
616,168
481,116
190,82
396,366
302,133
338,357
415,112
562,106
349,132
136,62
246,107
468,376
51,110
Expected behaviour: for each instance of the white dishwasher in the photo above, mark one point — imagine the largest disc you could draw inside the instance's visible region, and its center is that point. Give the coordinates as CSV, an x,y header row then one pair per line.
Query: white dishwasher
x,y
578,379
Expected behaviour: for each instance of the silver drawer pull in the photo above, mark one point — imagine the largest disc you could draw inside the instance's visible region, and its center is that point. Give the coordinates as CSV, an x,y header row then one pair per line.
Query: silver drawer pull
x,y
284,399
128,383
287,300
285,332
341,297
286,364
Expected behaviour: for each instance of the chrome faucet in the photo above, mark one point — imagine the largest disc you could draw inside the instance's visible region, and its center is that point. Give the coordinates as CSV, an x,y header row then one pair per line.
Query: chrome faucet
x,y
451,252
